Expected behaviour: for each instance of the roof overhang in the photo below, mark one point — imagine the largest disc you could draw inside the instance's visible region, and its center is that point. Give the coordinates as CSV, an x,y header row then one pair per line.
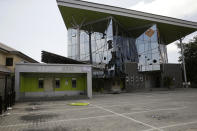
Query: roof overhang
x,y
25,57
3,50
51,58
171,29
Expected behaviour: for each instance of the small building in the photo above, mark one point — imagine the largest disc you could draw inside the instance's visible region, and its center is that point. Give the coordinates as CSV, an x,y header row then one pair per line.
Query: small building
x,y
8,58
41,81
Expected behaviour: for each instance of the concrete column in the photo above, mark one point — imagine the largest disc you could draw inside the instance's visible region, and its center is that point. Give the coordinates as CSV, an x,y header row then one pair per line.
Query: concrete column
x,y
78,43
90,48
183,63
89,84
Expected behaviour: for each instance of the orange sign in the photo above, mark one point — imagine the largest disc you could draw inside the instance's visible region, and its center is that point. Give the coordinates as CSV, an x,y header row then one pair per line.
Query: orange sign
x,y
150,32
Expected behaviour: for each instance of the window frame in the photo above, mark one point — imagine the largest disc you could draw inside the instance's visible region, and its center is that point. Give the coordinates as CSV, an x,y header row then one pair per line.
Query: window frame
x,y
42,85
7,63
74,79
57,80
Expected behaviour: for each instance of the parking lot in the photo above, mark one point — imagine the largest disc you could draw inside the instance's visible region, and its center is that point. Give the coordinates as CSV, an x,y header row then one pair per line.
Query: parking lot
x,y
151,111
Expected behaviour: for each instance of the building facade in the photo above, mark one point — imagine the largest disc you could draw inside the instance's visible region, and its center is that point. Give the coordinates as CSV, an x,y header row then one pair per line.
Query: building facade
x,y
46,81
113,46
114,39
9,57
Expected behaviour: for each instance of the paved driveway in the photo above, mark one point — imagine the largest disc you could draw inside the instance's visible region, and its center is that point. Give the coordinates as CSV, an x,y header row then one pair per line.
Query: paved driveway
x,y
153,111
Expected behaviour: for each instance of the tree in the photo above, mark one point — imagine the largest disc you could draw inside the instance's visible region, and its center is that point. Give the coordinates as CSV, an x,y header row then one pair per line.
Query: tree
x,y
190,54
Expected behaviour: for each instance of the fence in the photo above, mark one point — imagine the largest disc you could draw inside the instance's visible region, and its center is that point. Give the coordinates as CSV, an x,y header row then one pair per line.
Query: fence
x,y
7,96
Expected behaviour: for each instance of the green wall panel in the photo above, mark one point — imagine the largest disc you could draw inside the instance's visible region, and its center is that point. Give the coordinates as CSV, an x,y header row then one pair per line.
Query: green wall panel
x,y
66,84
29,82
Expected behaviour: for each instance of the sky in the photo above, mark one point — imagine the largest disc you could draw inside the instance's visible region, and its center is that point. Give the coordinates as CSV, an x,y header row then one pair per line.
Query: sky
x,y
31,26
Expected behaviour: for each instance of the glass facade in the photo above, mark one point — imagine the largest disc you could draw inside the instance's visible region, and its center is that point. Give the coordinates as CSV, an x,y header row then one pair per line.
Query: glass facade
x,y
101,54
124,48
112,46
150,52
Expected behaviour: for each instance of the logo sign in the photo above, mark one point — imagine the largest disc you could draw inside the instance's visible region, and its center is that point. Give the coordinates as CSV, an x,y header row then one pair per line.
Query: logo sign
x,y
150,32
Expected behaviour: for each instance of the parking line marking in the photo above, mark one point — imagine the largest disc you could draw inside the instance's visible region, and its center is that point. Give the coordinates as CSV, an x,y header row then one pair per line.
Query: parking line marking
x,y
128,118
33,112
129,104
180,124
44,105
64,120
149,110
125,103
21,107
146,110
103,116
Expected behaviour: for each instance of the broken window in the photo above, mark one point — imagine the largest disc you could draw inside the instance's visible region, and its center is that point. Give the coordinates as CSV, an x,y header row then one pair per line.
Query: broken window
x,y
9,61
74,83
40,83
109,44
57,83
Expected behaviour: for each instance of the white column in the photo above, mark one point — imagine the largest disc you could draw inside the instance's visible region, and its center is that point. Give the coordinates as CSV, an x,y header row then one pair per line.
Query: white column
x,y
78,43
183,63
89,84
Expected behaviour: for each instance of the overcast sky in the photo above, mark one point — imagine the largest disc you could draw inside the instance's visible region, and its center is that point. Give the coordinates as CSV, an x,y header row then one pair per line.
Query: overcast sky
x,y
34,25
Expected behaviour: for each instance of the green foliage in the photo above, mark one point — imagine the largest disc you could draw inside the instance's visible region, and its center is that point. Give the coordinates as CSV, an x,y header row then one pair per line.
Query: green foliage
x,y
190,54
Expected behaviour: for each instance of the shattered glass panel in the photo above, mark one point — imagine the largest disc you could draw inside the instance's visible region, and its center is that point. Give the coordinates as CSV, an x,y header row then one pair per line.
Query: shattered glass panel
x,y
101,45
124,48
151,54
114,46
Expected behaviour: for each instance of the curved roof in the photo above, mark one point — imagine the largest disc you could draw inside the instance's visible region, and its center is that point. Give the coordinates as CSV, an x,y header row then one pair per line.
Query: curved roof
x,y
77,12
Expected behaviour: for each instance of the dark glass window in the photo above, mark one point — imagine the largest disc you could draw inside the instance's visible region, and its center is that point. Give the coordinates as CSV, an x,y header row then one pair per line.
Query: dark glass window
x,y
74,83
9,61
40,83
57,83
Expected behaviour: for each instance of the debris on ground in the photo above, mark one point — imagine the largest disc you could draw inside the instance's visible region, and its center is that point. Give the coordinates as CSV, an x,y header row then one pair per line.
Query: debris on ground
x,y
9,108
78,104
156,116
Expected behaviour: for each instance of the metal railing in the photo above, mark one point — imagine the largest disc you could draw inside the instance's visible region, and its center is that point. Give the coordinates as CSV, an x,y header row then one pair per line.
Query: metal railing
x,y
9,96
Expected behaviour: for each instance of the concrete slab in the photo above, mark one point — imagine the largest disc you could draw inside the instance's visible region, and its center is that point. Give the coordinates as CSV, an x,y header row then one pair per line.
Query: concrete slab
x,y
153,111
41,116
98,124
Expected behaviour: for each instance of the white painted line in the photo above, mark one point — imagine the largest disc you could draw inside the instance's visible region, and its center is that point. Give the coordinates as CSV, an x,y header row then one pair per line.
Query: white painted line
x,y
175,125
65,110
122,101
129,104
44,104
21,107
78,109
65,120
57,121
149,110
180,124
66,104
128,118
